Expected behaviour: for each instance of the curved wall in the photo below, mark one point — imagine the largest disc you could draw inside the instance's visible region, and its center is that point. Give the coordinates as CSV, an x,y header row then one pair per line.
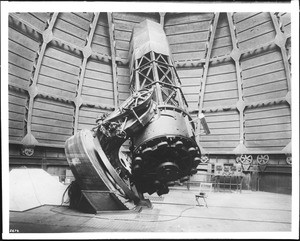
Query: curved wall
x,y
65,69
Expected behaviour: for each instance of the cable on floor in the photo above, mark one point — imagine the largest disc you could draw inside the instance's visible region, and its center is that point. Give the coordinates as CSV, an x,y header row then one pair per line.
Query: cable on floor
x,y
168,220
121,219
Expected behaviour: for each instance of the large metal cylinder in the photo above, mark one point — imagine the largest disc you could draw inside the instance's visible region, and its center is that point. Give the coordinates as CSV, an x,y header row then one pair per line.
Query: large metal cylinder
x,y
165,150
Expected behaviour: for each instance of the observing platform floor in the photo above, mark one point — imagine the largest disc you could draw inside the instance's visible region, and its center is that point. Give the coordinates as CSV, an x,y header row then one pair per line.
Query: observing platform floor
x,y
177,211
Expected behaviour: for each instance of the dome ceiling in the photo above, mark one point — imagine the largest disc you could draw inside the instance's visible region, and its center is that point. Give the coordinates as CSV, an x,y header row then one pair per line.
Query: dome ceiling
x,y
65,69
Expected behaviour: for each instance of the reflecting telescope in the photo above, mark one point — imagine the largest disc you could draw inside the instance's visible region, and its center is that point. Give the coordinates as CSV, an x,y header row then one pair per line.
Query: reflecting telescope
x,y
155,120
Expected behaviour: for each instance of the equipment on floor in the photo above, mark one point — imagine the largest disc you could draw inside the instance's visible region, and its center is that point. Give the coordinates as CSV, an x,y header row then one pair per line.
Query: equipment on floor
x,y
154,118
33,187
204,188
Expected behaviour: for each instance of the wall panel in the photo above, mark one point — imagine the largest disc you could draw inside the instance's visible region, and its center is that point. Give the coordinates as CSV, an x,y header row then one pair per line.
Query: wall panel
x,y
38,20
52,121
98,85
187,34
23,43
190,84
253,29
73,27
222,42
100,42
275,182
268,127
123,83
59,73
17,102
225,128
264,76
221,85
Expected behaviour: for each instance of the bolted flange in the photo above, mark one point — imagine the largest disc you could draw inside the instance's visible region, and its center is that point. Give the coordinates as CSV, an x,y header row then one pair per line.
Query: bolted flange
x,y
197,160
162,145
147,151
138,159
179,144
192,151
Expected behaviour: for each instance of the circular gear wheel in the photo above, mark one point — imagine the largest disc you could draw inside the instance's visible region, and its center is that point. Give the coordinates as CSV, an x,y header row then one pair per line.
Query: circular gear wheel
x,y
262,159
28,151
289,160
246,159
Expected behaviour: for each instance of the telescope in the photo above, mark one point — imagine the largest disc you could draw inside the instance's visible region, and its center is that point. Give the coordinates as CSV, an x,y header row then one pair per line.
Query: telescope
x,y
154,119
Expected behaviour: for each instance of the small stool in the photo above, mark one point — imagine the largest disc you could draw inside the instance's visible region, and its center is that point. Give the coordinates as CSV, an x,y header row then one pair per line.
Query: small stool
x,y
204,187
203,196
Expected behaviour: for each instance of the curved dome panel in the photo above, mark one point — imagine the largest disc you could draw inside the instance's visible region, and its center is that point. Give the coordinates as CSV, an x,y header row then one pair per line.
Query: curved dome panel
x,y
66,69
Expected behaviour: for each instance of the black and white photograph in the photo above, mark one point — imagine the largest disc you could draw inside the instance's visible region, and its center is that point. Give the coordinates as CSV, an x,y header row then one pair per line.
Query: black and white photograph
x,y
157,120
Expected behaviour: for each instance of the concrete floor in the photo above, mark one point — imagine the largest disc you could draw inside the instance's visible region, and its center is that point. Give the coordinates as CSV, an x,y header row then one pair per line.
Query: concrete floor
x,y
175,212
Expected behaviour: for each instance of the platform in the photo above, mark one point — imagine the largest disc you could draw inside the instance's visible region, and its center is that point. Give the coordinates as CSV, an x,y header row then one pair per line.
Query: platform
x,y
176,212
